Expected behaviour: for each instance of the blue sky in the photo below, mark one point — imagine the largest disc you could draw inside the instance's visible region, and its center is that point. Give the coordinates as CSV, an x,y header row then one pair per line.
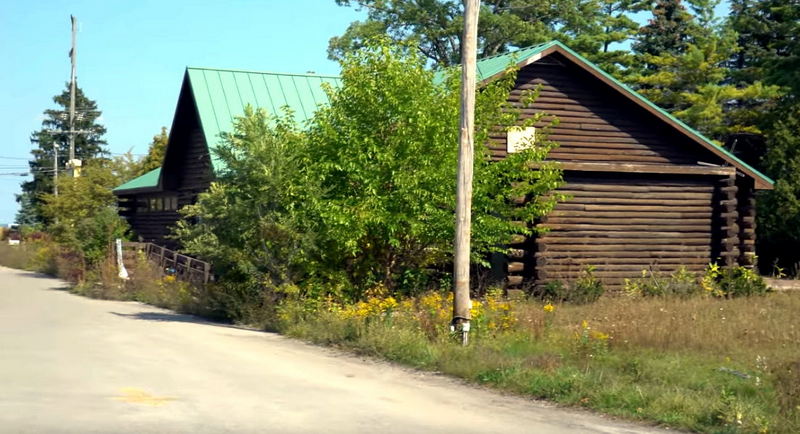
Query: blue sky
x,y
131,59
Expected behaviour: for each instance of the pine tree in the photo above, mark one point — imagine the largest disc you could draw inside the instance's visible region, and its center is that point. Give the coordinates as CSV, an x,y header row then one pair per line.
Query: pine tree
x,y
668,32
683,67
607,25
89,144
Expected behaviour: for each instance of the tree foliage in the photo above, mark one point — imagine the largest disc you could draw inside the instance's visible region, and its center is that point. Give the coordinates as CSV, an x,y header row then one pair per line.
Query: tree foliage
x,y
683,66
83,217
368,187
89,145
155,153
434,27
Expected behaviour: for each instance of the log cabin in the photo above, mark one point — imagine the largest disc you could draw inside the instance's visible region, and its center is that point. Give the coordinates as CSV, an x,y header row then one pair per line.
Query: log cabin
x,y
646,190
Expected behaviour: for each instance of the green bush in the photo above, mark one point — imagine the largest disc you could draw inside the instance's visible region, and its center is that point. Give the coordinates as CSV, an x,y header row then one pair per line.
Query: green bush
x,y
730,282
587,288
680,283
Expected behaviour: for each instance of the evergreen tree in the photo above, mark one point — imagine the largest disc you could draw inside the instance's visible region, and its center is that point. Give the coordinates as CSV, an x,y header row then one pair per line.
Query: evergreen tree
x,y
89,144
683,67
779,209
668,32
614,25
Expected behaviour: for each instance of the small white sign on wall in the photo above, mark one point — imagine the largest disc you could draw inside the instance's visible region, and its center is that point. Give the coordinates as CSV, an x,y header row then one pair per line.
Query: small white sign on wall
x,y
519,138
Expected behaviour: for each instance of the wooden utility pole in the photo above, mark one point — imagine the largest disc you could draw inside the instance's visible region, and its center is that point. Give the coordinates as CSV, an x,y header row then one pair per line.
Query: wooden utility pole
x,y
469,47
55,168
74,165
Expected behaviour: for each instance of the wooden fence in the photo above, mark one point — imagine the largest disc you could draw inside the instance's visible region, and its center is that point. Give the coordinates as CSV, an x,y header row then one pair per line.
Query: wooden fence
x,y
171,262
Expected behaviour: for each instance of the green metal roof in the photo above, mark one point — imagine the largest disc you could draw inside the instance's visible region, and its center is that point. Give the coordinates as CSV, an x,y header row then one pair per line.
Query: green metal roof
x,y
148,180
222,94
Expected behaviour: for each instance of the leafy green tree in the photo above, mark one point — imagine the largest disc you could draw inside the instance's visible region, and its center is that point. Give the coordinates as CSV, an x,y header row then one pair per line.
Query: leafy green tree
x,y
155,153
83,217
251,224
434,27
89,145
367,191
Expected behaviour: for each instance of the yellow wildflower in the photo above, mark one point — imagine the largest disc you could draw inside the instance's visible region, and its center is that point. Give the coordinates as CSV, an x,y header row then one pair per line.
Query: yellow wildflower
x,y
549,308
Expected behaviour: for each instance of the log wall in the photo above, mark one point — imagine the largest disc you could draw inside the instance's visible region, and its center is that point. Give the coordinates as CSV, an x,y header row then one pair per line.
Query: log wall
x,y
596,123
622,225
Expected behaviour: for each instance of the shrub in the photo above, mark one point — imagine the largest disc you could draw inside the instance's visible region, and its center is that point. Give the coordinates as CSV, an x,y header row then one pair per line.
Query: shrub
x,y
587,288
732,282
680,283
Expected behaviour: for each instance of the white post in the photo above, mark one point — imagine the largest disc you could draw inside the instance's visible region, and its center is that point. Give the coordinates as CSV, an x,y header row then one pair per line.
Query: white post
x,y
123,273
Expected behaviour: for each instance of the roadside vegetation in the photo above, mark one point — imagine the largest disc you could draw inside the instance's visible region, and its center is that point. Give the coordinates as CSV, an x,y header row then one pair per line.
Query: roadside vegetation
x,y
702,363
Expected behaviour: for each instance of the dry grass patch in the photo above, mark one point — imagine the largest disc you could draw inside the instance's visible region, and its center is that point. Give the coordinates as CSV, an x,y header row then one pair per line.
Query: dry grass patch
x,y
703,364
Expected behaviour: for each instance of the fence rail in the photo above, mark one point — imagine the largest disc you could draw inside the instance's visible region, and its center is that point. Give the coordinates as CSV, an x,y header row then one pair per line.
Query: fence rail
x,y
169,261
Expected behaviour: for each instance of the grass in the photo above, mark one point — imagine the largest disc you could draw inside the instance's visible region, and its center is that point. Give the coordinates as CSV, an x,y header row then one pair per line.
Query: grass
x,y
702,364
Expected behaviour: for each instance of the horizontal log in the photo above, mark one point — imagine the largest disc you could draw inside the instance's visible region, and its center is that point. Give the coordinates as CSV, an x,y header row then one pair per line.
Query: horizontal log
x,y
652,254
633,269
682,227
577,130
515,267
516,253
676,261
514,280
635,208
730,229
651,186
623,194
565,137
547,247
632,214
554,222
565,155
624,240
675,169
639,200
629,234
562,275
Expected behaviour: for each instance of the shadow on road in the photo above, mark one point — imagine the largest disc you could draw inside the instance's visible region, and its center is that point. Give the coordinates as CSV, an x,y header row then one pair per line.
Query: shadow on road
x,y
177,317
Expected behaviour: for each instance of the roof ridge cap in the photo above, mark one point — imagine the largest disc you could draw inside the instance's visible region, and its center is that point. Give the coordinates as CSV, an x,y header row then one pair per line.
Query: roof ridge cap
x,y
249,71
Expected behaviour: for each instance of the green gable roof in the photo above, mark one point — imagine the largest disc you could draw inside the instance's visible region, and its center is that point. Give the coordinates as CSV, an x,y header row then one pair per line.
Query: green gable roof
x,y
148,180
222,94
490,67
